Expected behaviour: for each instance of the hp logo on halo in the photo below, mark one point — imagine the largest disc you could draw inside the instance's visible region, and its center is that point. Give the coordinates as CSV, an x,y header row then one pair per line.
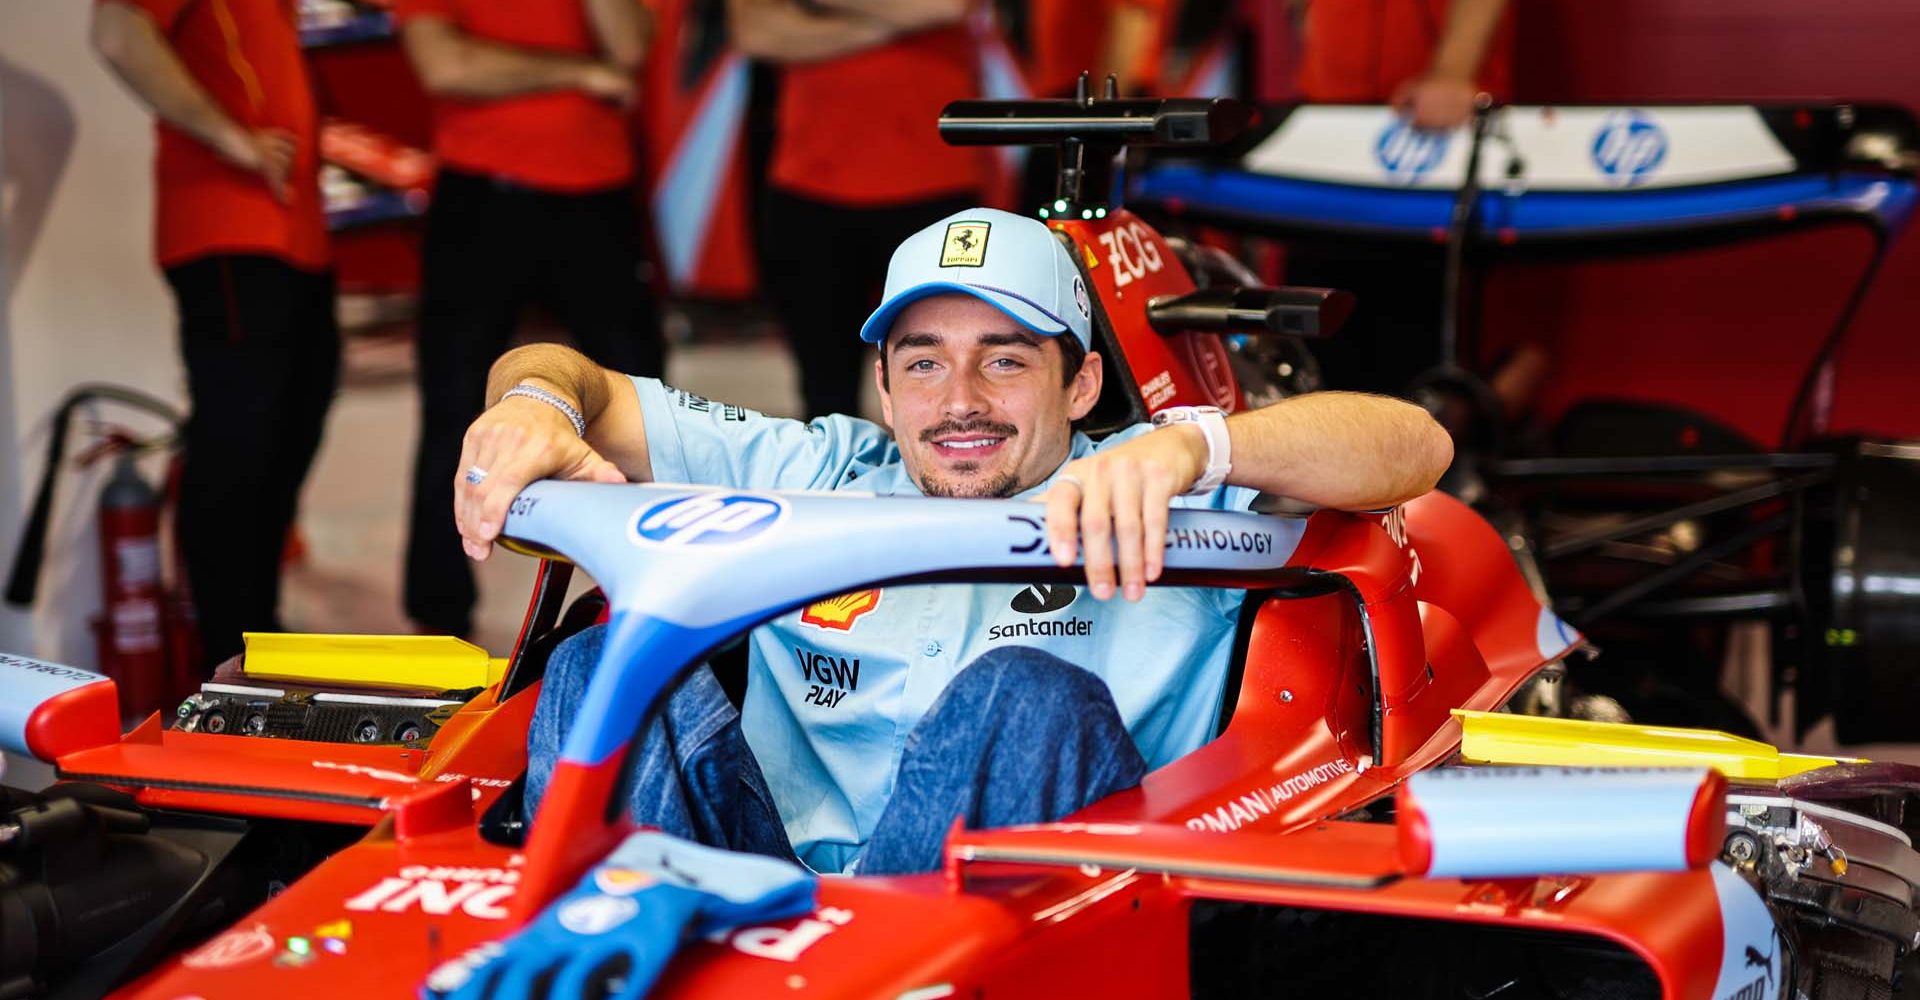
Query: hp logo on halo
x,y
1408,153
706,519
1629,146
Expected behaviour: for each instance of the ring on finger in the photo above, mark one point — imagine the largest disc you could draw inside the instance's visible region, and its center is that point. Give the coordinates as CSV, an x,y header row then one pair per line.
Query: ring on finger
x,y
476,475
1067,477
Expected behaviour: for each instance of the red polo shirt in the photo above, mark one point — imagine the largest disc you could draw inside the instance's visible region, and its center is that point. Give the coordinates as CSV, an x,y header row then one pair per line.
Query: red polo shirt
x,y
561,140
863,129
1361,50
1067,37
246,55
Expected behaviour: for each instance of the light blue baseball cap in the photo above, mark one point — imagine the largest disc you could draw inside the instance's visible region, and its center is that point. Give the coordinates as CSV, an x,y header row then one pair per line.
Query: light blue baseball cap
x,y
1010,261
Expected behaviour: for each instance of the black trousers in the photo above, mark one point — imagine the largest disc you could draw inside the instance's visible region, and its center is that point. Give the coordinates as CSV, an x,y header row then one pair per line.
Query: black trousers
x,y
491,248
821,268
262,352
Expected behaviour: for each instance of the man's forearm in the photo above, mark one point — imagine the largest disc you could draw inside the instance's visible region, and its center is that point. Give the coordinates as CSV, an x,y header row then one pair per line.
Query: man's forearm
x,y
451,63
554,368
622,28
1349,451
1463,46
780,31
139,53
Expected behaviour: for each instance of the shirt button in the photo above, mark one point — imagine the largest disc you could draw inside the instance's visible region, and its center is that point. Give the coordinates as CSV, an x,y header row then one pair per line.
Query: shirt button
x,y
932,648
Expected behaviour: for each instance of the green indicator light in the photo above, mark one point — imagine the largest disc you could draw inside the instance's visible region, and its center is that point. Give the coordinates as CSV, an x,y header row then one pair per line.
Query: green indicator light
x,y
1086,213
298,945
1060,205
1043,213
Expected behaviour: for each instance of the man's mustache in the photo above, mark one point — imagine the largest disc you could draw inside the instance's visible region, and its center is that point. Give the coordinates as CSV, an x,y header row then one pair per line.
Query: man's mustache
x,y
974,427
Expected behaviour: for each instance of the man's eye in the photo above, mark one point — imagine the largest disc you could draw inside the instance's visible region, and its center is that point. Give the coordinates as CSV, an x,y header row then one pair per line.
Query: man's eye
x,y
1007,364
922,365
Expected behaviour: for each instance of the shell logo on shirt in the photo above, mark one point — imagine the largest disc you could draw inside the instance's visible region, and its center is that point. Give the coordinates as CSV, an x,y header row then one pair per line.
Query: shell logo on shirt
x,y
839,613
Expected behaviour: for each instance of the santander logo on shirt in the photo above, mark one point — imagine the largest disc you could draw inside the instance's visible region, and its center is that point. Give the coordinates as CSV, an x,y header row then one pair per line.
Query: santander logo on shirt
x,y
1036,601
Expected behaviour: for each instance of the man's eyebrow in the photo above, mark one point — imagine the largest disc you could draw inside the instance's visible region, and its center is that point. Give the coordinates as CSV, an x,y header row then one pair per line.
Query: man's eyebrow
x,y
1005,339
916,340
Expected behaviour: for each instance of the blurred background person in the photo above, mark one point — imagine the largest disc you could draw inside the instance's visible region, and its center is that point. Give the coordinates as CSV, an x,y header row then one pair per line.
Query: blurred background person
x,y
1430,59
534,202
240,235
1057,40
857,163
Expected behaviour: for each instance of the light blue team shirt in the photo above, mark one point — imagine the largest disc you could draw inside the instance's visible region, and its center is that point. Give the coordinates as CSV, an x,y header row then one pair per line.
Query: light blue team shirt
x,y
833,689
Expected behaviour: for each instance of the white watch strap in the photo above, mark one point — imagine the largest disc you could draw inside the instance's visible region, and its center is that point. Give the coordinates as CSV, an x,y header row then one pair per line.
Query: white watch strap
x,y
1212,422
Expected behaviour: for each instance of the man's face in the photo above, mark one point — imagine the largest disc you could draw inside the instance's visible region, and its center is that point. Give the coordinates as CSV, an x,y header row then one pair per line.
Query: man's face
x,y
978,403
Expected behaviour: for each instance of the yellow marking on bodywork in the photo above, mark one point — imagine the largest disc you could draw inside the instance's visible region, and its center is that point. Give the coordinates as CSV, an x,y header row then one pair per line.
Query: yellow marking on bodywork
x,y
1501,738
420,662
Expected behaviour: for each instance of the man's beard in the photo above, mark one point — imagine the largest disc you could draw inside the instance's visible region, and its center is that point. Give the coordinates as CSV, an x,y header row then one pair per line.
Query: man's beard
x,y
1001,486
1004,484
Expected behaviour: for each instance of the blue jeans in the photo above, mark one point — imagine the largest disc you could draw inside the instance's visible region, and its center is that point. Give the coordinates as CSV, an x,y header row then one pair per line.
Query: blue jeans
x,y
1019,736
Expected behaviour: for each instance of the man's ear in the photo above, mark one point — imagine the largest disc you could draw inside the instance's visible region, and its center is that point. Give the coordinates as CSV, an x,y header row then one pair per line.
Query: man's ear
x,y
1086,386
880,383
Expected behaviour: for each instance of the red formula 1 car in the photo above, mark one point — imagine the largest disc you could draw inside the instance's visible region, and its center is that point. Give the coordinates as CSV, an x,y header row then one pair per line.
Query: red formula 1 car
x,y
286,836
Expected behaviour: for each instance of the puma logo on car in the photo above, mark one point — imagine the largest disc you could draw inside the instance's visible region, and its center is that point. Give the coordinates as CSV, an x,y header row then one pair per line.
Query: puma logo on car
x,y
1041,598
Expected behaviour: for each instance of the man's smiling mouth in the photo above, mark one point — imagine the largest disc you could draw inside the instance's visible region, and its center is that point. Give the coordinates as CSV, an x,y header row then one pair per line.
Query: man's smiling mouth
x,y
967,442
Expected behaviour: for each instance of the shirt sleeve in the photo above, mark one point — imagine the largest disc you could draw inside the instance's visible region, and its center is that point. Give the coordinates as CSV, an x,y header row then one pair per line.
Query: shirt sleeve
x,y
406,10
692,439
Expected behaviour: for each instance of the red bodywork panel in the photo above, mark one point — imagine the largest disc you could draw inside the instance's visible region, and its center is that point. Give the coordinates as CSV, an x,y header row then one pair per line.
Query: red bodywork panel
x,y
484,746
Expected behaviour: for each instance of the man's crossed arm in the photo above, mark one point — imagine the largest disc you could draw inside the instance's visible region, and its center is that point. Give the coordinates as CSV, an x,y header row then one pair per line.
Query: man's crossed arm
x,y
1344,450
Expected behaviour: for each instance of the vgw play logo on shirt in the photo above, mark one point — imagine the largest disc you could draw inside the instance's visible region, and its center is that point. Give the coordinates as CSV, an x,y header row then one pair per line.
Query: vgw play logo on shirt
x,y
1407,153
705,519
1629,147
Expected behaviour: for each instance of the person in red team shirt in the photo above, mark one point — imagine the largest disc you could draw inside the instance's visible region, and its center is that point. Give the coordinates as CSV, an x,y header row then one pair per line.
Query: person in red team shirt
x,y
534,201
241,238
1430,59
857,161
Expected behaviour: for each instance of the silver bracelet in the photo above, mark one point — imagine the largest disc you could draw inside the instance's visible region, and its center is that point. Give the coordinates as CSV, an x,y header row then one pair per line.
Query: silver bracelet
x,y
551,399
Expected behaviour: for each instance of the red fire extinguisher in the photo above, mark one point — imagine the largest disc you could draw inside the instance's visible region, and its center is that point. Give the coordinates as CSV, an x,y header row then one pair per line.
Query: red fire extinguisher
x,y
146,632
132,623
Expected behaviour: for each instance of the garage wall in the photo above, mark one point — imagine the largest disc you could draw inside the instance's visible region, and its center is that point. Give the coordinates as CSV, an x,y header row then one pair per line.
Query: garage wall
x,y
1728,330
80,299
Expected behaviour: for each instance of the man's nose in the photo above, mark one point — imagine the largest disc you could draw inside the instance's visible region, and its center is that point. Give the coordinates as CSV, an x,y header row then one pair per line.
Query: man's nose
x,y
966,396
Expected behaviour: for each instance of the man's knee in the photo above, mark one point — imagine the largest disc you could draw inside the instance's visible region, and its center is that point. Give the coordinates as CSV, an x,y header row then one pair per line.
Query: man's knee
x,y
570,665
1030,678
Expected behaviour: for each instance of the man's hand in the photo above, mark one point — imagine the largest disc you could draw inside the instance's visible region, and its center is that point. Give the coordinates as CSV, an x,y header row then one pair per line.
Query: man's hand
x,y
1436,102
517,441
608,83
267,152
1118,499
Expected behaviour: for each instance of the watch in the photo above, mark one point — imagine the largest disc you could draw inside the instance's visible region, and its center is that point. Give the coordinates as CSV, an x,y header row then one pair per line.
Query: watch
x,y
1212,422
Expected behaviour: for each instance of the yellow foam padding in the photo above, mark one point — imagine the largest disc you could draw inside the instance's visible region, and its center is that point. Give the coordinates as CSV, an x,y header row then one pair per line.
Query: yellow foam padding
x,y
418,662
1502,738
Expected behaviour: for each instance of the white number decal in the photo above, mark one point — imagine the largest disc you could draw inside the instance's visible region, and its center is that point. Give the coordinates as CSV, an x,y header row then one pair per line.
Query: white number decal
x,y
1129,262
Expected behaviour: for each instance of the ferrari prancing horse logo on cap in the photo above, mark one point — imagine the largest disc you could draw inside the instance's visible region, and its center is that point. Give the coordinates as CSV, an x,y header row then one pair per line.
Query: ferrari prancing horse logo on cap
x,y
965,246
